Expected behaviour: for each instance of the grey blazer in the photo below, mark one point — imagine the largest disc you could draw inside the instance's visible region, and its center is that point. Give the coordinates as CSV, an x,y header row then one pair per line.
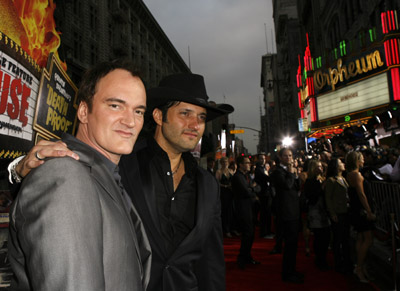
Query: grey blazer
x,y
71,230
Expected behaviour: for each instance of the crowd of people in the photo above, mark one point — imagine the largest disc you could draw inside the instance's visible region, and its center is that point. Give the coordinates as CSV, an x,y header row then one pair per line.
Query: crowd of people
x,y
151,210
324,194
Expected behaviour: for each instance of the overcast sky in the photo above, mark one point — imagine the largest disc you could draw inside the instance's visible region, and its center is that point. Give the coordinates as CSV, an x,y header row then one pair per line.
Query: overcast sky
x,y
226,40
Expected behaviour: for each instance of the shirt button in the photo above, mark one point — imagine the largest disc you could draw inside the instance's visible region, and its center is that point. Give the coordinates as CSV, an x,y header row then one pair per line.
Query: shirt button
x,y
168,173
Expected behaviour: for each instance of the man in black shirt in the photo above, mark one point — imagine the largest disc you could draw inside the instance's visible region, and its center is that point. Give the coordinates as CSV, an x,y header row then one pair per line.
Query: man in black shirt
x,y
177,200
244,195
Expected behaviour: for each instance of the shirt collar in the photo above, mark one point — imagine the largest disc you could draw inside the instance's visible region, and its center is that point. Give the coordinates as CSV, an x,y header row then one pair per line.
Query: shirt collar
x,y
190,161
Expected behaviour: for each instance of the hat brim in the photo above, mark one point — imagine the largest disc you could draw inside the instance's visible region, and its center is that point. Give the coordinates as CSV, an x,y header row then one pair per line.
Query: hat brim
x,y
162,95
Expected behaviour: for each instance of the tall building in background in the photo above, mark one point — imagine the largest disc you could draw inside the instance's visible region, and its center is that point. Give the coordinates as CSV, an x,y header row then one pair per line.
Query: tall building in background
x,y
95,31
269,123
287,34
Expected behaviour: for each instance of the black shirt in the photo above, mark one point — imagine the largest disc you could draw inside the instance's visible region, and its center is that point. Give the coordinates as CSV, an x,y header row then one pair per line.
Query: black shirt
x,y
241,186
175,209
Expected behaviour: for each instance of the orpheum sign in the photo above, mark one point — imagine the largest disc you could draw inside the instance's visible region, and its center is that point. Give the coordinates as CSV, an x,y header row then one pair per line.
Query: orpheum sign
x,y
355,69
365,94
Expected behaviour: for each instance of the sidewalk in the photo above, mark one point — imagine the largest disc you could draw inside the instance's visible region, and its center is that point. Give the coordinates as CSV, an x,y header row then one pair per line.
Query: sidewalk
x,y
380,265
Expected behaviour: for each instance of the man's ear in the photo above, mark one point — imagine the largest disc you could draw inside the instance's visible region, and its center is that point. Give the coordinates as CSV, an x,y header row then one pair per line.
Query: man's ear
x,y
83,111
157,116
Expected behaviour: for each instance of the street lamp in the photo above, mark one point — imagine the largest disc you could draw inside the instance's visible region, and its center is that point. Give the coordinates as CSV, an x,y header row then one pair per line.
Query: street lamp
x,y
287,141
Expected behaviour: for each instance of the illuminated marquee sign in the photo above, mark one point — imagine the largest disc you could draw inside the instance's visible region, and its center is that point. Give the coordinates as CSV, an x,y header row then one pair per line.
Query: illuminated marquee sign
x,y
365,94
343,72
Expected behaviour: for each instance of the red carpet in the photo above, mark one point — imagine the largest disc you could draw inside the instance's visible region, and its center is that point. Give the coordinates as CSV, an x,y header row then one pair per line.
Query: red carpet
x,y
267,276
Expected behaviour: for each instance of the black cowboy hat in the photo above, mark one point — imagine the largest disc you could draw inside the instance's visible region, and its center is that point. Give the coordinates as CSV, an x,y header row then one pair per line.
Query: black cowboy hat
x,y
185,87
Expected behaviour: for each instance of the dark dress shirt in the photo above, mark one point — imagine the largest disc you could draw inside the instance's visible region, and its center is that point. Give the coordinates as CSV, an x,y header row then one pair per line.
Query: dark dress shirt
x,y
176,209
241,186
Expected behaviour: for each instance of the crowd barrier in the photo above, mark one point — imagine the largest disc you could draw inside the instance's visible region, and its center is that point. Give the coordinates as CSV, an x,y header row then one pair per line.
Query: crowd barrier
x,y
386,201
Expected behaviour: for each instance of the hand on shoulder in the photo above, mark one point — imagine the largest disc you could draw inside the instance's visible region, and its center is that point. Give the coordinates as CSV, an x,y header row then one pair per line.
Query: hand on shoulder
x,y
43,149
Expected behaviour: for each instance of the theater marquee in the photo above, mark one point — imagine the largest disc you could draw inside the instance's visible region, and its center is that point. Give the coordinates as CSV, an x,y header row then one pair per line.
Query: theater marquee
x,y
369,93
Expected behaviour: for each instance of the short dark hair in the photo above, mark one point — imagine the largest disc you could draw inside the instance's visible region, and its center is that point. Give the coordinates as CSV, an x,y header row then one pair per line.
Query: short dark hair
x,y
333,168
150,125
240,160
91,78
164,109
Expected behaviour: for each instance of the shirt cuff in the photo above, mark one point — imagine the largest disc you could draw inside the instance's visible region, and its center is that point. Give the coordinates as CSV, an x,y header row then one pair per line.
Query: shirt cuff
x,y
11,166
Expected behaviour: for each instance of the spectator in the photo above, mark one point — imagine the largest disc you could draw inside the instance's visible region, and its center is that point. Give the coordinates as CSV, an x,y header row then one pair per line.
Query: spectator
x,y
304,208
244,195
211,165
232,167
338,204
286,184
224,177
263,179
361,213
317,215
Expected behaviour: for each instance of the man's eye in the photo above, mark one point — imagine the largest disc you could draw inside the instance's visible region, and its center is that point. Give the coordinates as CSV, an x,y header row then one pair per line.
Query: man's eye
x,y
203,117
116,106
140,112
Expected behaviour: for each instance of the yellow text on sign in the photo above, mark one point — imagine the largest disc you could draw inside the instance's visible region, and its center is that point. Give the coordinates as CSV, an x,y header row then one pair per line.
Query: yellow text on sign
x,y
236,131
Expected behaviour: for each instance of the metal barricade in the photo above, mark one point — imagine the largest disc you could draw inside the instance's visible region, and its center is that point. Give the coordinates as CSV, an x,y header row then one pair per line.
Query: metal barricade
x,y
386,200
386,203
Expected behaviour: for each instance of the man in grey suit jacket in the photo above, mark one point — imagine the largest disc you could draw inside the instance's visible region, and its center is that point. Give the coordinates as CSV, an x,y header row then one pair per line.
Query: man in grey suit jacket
x,y
72,226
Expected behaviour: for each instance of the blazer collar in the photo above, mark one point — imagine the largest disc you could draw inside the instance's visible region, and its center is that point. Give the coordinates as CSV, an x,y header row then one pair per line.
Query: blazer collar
x,y
100,167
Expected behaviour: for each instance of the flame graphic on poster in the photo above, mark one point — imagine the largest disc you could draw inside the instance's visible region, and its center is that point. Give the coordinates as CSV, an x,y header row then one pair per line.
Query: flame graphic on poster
x,y
30,23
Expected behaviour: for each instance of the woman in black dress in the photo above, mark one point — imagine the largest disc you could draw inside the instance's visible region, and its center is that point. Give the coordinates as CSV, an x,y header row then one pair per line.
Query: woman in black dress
x,y
224,176
362,217
318,220
338,206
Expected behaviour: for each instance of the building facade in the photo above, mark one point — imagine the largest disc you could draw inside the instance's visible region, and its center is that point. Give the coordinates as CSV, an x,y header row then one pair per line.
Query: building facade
x,y
287,34
269,124
94,31
349,76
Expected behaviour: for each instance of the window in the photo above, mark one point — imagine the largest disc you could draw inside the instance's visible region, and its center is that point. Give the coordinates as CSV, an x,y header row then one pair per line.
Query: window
x,y
93,18
78,47
93,54
77,7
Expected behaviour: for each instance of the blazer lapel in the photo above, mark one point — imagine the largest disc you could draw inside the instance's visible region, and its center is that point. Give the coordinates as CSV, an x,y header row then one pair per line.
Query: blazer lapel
x,y
114,190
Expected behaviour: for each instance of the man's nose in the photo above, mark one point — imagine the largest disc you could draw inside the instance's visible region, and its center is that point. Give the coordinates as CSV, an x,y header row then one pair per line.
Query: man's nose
x,y
129,119
194,123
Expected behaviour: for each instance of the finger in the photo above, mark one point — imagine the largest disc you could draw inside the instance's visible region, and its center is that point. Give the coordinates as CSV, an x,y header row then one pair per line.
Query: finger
x,y
46,142
49,149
